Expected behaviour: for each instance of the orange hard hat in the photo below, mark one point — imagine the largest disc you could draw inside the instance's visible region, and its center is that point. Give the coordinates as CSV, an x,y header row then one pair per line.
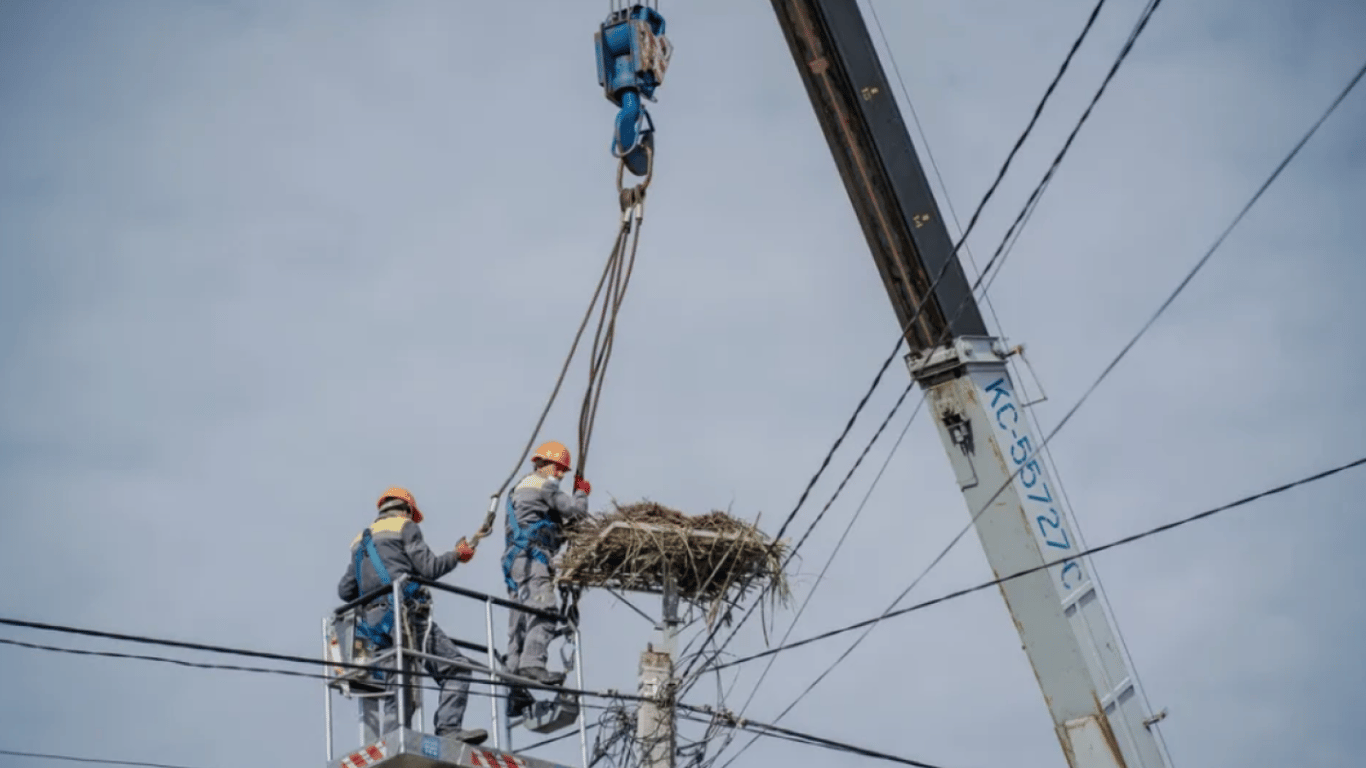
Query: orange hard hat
x,y
553,452
403,495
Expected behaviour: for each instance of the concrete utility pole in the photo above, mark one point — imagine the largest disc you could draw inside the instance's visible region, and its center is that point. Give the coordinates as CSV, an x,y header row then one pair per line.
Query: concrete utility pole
x,y
656,718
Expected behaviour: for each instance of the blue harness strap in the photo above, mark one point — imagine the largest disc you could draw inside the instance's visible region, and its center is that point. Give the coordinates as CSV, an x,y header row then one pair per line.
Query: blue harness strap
x,y
526,539
381,634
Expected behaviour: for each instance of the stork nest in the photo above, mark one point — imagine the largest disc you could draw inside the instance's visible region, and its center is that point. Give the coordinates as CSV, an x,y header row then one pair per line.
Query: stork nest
x,y
709,556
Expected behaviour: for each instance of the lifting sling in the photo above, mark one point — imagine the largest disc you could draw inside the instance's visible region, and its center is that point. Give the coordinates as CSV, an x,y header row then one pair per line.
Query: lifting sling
x,y
381,635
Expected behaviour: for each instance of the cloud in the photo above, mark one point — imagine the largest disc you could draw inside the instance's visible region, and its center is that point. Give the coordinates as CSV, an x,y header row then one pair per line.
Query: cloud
x,y
259,261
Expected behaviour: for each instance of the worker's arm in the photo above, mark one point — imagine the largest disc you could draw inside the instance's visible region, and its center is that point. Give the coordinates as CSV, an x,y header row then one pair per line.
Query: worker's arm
x,y
426,563
571,508
346,588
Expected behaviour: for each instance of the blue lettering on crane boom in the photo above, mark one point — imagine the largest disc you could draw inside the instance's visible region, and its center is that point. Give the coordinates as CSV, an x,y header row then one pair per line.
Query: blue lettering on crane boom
x,y
1032,477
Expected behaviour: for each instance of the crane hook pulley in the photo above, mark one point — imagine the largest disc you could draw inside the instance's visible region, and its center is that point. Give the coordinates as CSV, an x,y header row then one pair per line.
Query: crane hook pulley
x,y
632,54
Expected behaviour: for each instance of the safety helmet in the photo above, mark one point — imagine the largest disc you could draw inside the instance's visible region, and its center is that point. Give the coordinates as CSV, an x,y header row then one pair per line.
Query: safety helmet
x,y
403,495
553,452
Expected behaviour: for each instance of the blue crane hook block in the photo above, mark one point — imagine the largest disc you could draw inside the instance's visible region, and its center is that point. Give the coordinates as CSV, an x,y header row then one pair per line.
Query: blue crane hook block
x,y
632,54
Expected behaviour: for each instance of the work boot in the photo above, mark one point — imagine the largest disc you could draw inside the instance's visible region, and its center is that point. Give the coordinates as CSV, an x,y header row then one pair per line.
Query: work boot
x,y
519,701
474,736
541,675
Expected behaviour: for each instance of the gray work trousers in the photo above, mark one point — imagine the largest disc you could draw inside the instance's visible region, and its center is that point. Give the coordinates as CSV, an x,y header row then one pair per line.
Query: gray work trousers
x,y
529,635
426,636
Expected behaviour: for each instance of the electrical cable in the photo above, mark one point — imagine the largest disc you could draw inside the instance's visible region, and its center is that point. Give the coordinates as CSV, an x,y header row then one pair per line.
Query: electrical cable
x,y
1084,553
901,337
1032,417
239,668
683,707
1024,214
764,729
839,544
96,760
1143,330
820,578
1057,161
146,640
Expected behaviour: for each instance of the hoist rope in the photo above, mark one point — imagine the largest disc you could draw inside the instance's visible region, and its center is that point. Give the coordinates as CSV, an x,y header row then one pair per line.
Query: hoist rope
x,y
633,209
632,202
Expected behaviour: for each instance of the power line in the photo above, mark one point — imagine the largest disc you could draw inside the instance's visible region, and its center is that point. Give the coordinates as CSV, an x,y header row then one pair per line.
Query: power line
x,y
806,738
1038,111
1028,209
943,270
830,560
847,528
787,734
220,667
1124,351
1030,414
1084,553
227,650
99,761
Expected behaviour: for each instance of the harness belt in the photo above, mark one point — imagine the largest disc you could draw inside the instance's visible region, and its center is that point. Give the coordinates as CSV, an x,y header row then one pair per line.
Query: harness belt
x,y
530,538
381,635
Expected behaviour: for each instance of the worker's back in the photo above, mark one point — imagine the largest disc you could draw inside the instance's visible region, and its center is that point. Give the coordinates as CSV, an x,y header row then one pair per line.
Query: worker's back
x,y
402,550
538,498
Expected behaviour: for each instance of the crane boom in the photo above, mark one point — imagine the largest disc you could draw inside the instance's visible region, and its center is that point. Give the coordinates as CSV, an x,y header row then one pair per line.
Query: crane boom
x,y
1087,686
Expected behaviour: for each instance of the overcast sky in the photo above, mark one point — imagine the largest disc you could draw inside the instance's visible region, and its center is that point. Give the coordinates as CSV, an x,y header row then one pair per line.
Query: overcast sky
x,y
259,260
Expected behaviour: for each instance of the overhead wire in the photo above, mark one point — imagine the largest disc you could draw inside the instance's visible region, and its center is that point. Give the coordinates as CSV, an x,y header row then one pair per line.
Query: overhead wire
x,y
289,658
961,592
1048,175
1105,373
95,760
821,577
1031,415
683,707
224,667
1307,480
901,339
788,734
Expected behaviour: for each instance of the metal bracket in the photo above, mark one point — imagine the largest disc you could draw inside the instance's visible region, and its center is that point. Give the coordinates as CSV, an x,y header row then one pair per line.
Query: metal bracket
x,y
960,432
1019,349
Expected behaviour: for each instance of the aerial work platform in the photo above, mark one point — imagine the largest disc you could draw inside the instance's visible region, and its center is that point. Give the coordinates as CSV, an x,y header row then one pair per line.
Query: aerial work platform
x,y
406,748
357,671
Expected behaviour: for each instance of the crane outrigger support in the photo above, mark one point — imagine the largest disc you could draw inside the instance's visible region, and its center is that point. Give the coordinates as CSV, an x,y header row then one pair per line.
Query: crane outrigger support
x,y
1088,689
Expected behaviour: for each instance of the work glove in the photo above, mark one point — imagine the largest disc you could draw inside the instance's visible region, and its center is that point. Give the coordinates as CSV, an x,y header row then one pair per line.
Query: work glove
x,y
582,485
463,551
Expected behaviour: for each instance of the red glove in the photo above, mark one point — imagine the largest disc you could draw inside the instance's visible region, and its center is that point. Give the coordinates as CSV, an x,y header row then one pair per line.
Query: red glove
x,y
463,551
582,485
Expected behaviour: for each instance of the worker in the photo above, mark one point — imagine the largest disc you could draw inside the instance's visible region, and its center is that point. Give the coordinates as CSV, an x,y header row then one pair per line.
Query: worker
x,y
537,513
392,547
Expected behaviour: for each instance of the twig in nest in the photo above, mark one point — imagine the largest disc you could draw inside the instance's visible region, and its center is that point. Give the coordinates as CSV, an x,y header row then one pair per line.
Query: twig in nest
x,y
709,556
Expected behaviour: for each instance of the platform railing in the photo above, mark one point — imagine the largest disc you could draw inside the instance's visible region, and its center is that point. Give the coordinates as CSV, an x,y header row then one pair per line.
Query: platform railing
x,y
392,660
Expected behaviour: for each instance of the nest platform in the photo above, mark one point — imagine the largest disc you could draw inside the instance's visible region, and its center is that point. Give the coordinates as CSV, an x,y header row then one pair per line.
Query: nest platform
x,y
632,548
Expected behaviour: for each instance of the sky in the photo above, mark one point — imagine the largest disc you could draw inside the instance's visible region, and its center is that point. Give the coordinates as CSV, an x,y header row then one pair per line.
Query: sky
x,y
261,260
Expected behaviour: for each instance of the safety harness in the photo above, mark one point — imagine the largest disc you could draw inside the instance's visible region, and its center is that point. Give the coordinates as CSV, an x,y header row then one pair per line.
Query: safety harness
x,y
381,634
530,538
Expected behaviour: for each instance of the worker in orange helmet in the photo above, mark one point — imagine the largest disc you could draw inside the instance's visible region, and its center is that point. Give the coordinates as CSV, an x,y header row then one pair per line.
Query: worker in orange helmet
x,y
392,547
537,511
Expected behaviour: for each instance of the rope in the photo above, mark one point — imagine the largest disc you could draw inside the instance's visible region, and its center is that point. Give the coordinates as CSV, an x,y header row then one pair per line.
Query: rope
x,y
633,209
632,205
